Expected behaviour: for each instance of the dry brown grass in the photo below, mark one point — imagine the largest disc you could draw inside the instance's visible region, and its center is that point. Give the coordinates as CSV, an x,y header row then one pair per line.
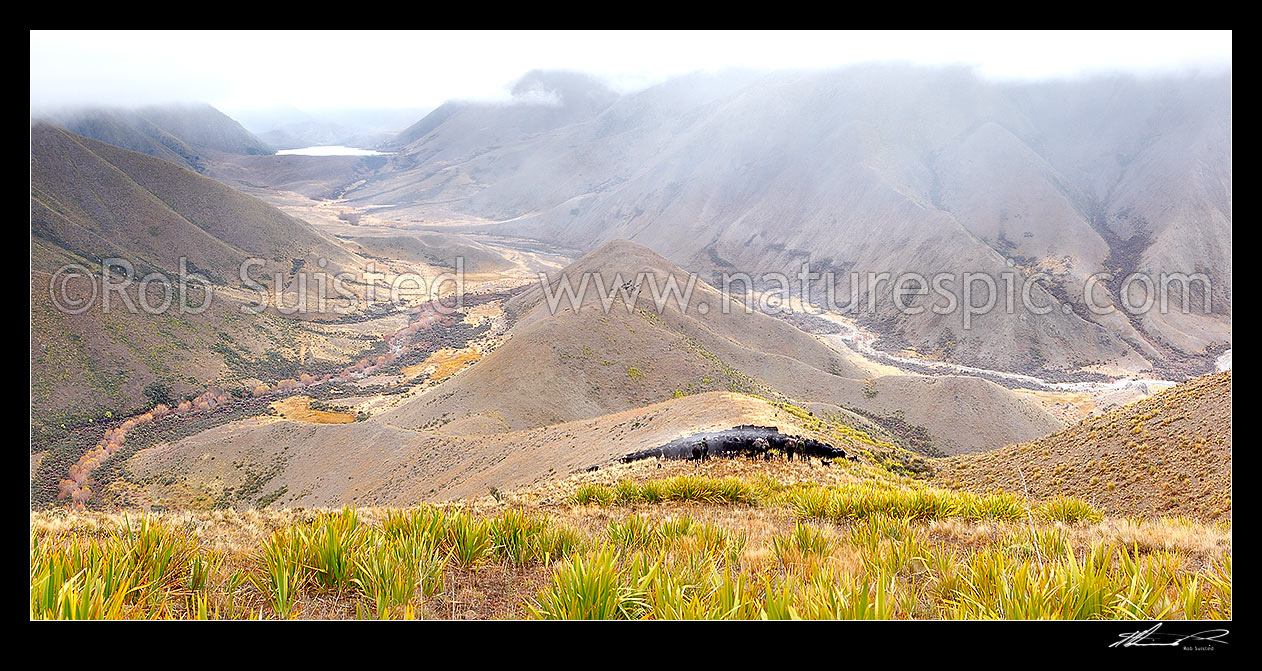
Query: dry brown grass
x,y
499,589
448,362
1167,455
298,409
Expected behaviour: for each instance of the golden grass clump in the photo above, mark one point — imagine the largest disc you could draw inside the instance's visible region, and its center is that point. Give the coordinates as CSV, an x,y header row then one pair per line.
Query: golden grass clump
x,y
685,546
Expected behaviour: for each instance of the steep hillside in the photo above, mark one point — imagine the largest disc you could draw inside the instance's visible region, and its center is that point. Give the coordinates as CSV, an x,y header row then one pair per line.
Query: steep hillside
x,y
577,389
1169,454
188,135
872,170
91,201
1160,196
94,200
544,100
579,363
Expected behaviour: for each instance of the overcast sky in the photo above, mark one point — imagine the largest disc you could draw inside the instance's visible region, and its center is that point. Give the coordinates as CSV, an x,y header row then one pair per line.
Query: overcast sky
x,y
251,70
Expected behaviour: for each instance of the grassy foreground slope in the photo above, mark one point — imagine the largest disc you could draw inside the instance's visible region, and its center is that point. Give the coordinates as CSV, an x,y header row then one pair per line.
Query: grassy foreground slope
x,y
1169,454
728,539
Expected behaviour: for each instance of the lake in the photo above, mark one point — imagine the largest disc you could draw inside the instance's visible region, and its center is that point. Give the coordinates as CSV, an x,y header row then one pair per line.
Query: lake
x,y
330,150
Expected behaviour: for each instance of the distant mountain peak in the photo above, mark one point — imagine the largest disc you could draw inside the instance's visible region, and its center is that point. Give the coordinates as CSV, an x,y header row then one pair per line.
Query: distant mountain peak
x,y
563,88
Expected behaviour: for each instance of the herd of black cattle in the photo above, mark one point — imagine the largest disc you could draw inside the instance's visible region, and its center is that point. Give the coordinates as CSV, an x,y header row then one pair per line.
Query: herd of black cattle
x,y
754,442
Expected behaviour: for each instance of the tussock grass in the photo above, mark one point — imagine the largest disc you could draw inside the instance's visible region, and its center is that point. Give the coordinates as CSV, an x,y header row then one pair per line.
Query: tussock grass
x,y
328,547
469,540
589,587
680,488
1069,509
593,493
146,568
283,574
141,568
687,546
836,503
857,501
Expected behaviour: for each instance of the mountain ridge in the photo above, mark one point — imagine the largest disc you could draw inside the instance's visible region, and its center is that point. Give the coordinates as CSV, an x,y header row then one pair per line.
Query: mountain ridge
x,y
189,135
577,363
752,177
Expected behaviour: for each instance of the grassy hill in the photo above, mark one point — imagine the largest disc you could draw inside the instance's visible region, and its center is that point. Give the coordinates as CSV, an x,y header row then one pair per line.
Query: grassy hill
x,y
582,363
91,201
578,389
1169,454
379,464
95,200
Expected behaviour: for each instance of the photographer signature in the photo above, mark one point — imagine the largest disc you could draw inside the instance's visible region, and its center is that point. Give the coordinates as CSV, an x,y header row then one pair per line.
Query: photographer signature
x,y
1153,638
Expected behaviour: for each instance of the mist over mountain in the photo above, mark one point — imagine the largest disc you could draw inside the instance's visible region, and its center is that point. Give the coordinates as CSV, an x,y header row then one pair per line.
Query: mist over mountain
x,y
121,203
186,134
868,169
288,127
677,325
542,101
